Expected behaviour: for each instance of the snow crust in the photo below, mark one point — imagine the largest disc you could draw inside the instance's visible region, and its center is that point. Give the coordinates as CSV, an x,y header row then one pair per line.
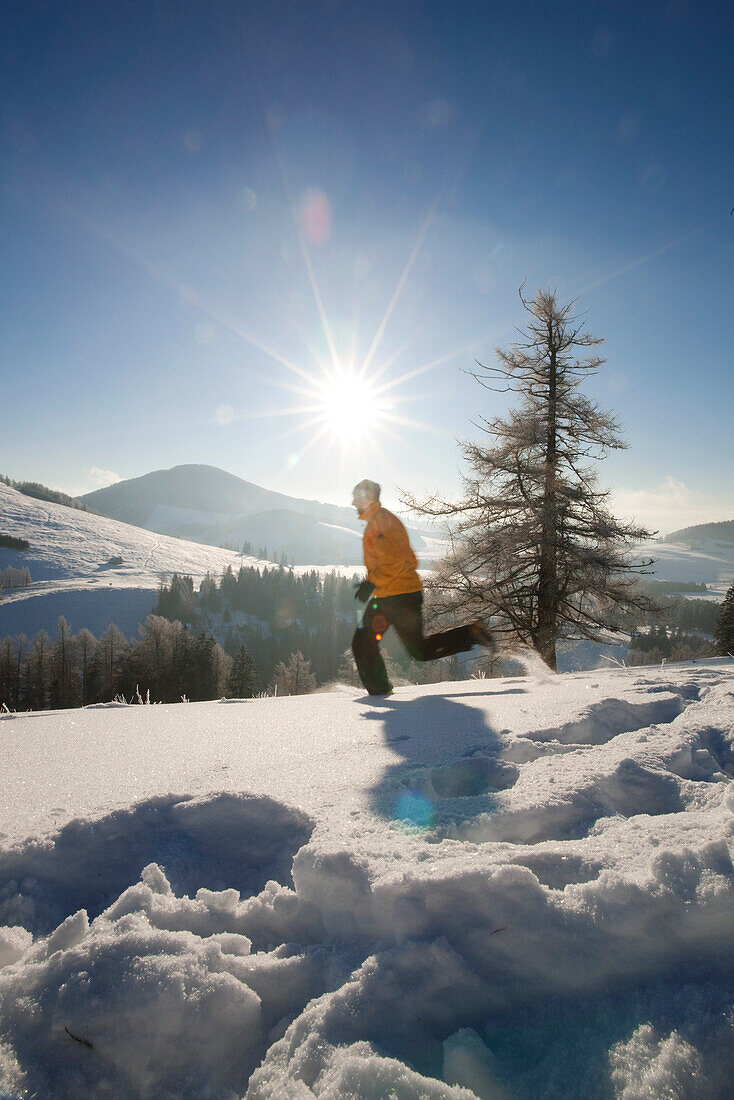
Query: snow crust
x,y
498,889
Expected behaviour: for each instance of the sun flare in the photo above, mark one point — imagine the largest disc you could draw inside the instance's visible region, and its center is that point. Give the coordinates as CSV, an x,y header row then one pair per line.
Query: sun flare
x,y
350,407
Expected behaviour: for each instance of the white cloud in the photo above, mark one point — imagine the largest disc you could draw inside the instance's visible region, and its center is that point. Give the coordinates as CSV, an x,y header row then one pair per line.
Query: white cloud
x,y
669,506
99,478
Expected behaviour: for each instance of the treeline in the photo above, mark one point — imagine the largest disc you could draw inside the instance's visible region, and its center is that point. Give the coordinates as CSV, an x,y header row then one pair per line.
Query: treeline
x,y
282,634
661,588
295,624
262,553
703,532
10,577
683,614
659,644
42,492
9,542
275,613
167,663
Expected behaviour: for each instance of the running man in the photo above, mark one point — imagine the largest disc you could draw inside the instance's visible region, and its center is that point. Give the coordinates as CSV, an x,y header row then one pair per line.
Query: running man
x,y
393,592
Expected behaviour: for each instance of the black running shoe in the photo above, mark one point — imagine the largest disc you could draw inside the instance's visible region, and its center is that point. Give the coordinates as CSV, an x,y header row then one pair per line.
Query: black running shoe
x,y
481,635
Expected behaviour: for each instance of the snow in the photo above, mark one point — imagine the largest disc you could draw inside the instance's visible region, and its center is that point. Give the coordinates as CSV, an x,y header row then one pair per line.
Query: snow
x,y
506,888
707,563
69,561
164,516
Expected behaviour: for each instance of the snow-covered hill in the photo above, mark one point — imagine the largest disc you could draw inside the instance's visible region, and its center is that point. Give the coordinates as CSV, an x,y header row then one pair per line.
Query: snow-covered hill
x,y
69,561
516,888
210,505
710,563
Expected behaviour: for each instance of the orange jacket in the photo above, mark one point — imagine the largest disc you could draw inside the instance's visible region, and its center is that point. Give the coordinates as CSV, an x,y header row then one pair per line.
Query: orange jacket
x,y
391,564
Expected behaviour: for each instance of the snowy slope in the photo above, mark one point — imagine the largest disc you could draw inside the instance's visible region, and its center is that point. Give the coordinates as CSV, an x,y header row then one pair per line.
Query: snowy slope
x,y
69,559
516,888
708,563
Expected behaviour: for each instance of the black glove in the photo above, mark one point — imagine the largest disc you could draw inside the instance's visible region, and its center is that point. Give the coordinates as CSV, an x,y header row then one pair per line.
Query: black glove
x,y
363,591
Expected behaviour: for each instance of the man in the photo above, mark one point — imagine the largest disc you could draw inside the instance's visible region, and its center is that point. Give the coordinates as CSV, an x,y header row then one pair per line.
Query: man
x,y
393,592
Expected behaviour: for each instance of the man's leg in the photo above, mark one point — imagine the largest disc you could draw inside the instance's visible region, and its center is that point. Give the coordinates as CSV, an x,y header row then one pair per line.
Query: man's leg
x,y
406,615
366,650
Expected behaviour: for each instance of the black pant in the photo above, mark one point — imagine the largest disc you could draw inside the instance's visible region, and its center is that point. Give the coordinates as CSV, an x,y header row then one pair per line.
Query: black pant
x,y
405,613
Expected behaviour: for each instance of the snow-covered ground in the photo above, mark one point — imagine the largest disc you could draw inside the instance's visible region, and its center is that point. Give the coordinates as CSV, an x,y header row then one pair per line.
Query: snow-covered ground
x,y
517,888
709,563
69,558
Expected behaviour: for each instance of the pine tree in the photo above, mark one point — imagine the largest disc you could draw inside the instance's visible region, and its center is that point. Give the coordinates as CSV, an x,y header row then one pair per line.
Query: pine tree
x,y
177,601
243,680
724,629
12,656
532,541
183,661
38,671
209,598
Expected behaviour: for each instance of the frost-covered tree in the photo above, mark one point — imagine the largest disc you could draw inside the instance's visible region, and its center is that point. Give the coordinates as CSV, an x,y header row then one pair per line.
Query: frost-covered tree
x,y
533,542
294,678
10,577
724,629
221,667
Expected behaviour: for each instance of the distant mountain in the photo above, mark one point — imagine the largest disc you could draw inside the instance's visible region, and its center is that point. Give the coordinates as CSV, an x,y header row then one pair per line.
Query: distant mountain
x,y
195,488
209,505
722,533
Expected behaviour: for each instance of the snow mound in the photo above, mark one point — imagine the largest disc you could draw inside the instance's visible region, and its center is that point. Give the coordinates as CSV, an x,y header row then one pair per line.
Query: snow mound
x,y
227,839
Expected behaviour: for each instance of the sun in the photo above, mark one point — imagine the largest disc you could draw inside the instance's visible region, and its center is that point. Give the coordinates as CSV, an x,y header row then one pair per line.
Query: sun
x,y
349,406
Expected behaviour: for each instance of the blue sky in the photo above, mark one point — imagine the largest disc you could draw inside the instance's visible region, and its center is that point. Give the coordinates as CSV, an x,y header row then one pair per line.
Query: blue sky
x,y
210,209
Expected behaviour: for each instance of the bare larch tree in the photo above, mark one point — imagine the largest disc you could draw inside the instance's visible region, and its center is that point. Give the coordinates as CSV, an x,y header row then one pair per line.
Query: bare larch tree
x,y
533,542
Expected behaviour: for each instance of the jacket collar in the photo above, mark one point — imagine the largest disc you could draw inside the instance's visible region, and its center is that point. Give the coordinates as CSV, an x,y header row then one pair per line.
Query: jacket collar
x,y
370,511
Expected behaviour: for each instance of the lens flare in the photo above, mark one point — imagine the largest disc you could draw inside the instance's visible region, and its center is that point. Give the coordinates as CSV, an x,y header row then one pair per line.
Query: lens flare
x,y
413,808
315,217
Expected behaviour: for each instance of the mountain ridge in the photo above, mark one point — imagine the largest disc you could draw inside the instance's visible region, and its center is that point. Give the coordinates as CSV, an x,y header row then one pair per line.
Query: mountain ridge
x,y
205,504
207,488
722,531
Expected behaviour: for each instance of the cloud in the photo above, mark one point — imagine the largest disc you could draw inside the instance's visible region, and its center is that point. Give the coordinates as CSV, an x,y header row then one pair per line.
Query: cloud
x,y
100,479
669,506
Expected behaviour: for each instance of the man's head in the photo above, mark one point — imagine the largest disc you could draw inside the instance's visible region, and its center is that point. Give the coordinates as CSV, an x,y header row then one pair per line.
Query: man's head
x,y
364,493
